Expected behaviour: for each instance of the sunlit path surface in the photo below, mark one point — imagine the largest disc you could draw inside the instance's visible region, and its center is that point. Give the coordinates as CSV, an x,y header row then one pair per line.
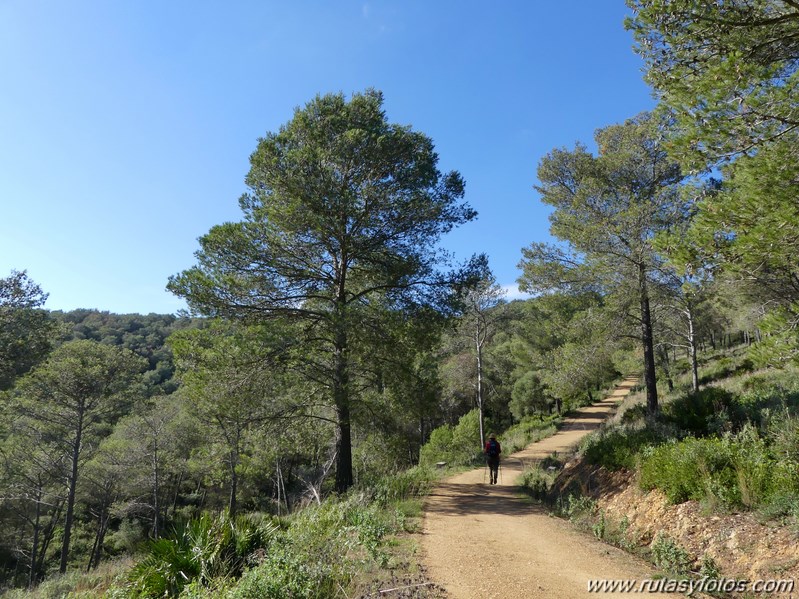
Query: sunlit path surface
x,y
484,541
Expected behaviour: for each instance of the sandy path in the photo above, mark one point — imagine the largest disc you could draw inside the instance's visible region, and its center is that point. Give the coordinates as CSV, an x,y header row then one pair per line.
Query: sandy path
x,y
484,541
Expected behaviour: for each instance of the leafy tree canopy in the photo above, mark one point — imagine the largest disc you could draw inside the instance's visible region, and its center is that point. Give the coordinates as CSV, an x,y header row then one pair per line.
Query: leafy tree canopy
x,y
608,209
341,222
750,228
25,328
728,70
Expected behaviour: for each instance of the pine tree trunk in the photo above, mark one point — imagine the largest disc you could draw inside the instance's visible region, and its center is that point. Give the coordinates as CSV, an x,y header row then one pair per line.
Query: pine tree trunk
x,y
156,492
664,353
344,478
177,493
650,377
35,544
101,540
341,400
233,460
692,346
73,480
99,537
479,347
47,536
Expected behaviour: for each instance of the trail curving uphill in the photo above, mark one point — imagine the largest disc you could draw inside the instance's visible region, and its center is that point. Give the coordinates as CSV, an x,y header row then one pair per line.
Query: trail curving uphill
x,y
486,541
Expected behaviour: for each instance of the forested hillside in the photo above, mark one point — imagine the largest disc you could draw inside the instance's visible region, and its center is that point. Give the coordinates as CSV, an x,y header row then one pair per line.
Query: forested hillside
x,y
273,441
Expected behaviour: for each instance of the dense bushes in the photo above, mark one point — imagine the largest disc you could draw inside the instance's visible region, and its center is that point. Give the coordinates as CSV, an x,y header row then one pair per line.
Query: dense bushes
x,y
529,430
740,470
732,447
735,471
312,554
705,411
321,550
201,550
414,482
618,447
689,469
457,446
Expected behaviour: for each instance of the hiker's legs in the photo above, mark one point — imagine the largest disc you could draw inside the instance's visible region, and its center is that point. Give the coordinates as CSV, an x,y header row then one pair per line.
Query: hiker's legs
x,y
493,466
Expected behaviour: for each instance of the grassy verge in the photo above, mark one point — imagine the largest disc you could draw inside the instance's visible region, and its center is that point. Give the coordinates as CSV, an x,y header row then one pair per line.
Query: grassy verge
x,y
78,584
732,447
354,545
536,481
529,430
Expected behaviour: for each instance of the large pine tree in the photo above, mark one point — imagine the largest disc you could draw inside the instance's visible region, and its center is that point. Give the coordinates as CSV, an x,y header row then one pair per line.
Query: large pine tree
x,y
341,221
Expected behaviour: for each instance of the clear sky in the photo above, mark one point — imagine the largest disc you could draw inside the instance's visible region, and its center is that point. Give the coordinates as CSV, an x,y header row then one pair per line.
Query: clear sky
x,y
126,127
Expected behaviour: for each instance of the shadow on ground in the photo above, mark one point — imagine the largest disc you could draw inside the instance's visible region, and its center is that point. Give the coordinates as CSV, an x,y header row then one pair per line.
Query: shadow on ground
x,y
474,499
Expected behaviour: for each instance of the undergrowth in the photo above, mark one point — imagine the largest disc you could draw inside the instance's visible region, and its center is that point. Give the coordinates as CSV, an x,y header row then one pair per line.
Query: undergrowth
x,y
732,446
536,481
323,551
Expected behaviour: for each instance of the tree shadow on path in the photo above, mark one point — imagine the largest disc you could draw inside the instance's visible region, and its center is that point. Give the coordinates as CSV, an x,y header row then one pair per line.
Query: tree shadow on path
x,y
463,499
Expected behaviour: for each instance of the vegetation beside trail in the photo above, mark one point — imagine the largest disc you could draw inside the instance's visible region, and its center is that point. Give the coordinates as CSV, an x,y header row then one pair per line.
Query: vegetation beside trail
x,y
350,542
454,445
273,439
730,447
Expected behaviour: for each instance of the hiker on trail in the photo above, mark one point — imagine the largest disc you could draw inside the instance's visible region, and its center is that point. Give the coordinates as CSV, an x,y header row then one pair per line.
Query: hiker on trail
x,y
492,451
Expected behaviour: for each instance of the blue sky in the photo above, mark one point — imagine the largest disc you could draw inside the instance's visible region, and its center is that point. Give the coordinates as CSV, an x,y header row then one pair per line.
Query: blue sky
x,y
126,127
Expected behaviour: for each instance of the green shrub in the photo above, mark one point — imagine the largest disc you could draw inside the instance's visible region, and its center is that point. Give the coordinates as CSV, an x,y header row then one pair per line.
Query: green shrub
x,y
701,412
669,556
536,482
737,470
203,550
58,586
690,469
719,369
580,510
287,574
168,567
218,587
319,551
438,447
600,527
466,437
709,568
754,466
75,583
458,445
617,447
128,538
551,462
633,414
773,390
414,482
782,429
529,430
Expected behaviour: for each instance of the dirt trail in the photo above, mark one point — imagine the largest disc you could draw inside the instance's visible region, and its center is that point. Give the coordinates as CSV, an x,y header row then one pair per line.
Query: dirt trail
x,y
486,541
